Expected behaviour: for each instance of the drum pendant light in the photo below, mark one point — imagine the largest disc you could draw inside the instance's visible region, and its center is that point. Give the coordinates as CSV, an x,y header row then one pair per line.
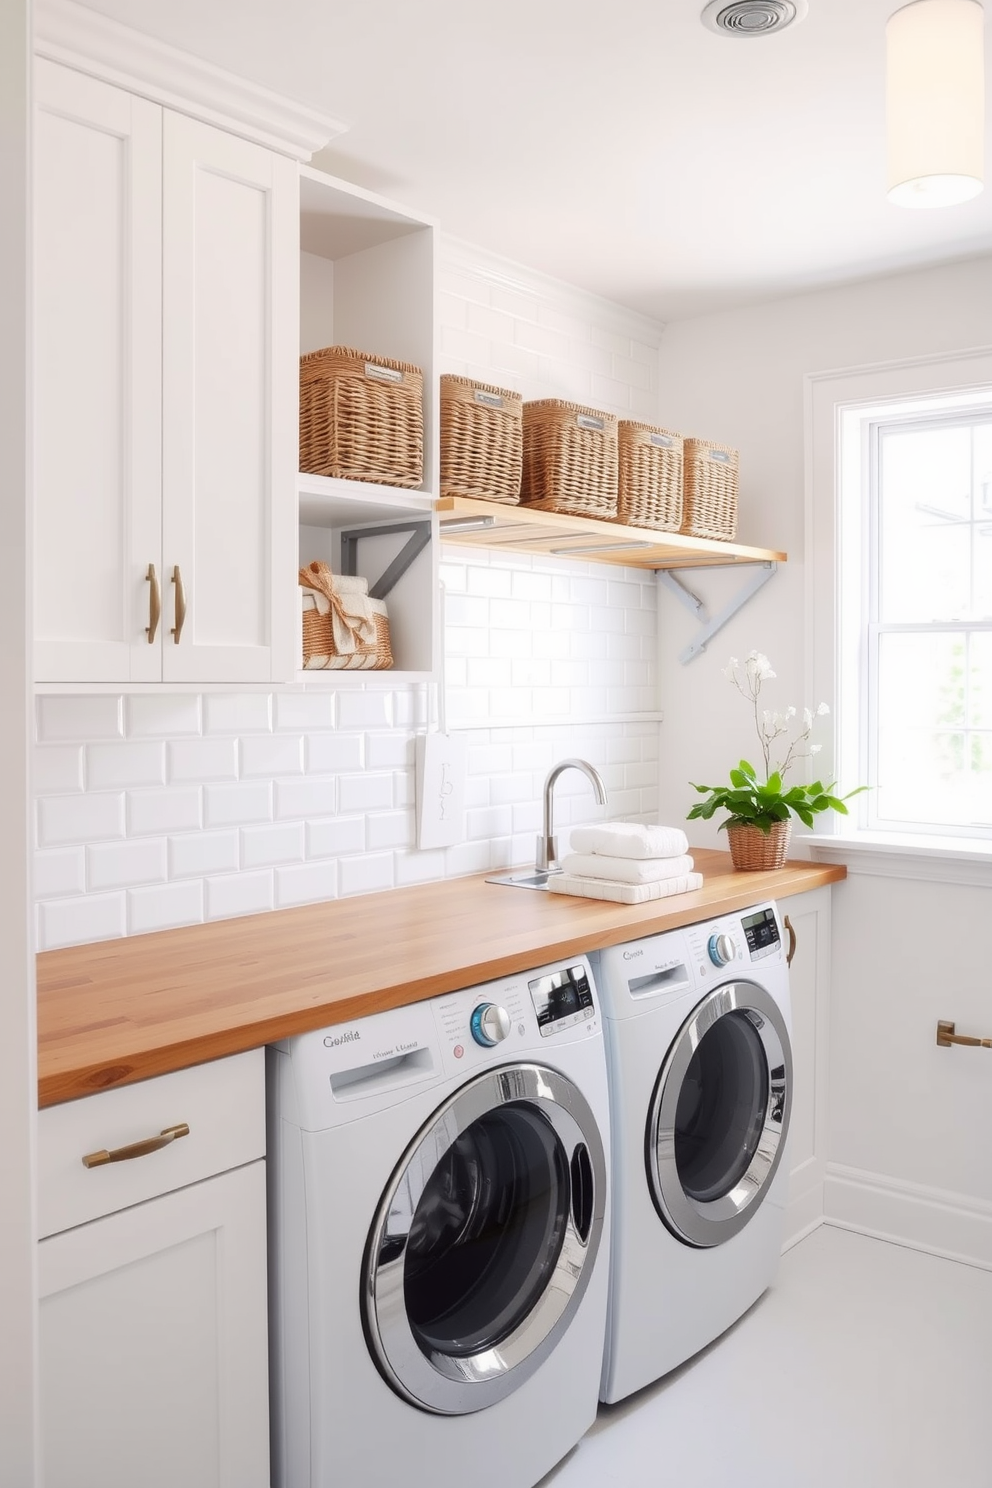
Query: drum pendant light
x,y
935,102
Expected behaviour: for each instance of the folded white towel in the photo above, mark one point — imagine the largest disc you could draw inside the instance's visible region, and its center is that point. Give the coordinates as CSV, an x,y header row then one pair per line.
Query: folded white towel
x,y
626,870
630,840
599,888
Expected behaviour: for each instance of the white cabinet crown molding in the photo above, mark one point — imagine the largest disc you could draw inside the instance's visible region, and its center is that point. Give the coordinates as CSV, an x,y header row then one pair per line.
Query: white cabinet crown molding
x,y
80,38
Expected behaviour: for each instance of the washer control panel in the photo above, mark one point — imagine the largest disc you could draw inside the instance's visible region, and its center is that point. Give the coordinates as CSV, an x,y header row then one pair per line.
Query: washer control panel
x,y
734,941
561,999
722,948
489,1024
761,932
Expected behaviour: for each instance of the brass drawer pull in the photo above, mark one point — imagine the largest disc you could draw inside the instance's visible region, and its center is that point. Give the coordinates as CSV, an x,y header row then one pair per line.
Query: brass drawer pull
x,y
946,1037
154,604
177,579
136,1149
793,942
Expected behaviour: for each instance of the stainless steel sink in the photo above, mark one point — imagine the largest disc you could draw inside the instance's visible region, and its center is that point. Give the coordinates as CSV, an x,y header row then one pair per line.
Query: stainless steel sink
x,y
531,880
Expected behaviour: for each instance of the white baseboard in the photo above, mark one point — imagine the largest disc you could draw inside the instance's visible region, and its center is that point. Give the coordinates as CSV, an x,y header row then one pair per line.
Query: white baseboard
x,y
804,1211
946,1224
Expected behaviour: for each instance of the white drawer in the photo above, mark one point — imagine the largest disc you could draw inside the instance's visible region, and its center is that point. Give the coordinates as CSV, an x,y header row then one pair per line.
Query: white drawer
x,y
222,1103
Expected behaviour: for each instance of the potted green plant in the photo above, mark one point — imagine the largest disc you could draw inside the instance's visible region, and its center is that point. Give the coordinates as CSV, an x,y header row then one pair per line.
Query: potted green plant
x,y
760,812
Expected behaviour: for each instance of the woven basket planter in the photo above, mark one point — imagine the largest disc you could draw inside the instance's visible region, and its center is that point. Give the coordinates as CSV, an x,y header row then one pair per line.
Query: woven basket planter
x,y
711,475
649,491
361,417
751,848
481,440
570,459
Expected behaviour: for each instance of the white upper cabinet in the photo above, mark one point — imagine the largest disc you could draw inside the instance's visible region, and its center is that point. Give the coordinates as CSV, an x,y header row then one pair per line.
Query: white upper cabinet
x,y
166,292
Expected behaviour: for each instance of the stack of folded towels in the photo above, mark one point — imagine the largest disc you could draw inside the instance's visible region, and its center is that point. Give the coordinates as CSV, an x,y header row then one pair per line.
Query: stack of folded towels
x,y
628,862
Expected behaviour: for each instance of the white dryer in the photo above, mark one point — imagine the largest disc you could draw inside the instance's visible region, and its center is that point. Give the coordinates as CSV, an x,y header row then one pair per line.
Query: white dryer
x,y
698,1037
438,1238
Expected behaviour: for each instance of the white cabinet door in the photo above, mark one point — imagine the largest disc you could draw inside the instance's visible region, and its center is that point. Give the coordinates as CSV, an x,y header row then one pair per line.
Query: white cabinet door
x,y
152,1342
230,374
97,503
809,985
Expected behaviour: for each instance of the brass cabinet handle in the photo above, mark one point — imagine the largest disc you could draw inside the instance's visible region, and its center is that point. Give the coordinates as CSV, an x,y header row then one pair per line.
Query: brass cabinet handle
x,y
793,942
154,604
136,1149
177,579
946,1037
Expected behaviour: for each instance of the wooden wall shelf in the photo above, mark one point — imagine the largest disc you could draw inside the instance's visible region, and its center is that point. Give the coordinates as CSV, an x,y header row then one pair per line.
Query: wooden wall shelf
x,y
523,530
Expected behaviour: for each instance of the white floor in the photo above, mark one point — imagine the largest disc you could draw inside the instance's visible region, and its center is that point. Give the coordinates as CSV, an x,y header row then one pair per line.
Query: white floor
x,y
867,1365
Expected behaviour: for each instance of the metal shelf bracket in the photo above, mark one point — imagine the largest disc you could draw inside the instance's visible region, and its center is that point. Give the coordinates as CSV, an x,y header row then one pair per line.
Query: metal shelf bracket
x,y
762,572
420,531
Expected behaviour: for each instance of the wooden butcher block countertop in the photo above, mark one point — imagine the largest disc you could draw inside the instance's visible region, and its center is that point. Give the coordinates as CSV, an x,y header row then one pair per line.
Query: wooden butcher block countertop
x,y
123,1010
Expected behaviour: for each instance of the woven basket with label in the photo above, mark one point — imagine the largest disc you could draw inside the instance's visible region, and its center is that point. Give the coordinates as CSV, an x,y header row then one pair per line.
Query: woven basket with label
x,y
344,629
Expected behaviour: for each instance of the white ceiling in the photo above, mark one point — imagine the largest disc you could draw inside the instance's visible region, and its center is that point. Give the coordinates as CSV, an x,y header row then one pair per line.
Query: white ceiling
x,y
620,146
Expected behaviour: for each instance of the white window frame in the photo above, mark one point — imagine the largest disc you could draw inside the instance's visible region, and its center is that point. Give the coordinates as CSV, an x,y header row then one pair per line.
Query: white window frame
x,y
835,403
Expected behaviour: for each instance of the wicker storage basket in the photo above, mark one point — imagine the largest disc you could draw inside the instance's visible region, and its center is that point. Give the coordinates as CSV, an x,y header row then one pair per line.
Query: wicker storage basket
x,y
481,440
649,493
361,417
752,849
343,628
570,459
709,489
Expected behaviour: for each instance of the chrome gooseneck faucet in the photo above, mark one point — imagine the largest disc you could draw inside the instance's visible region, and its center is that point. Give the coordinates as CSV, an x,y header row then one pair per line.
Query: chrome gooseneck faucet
x,y
547,847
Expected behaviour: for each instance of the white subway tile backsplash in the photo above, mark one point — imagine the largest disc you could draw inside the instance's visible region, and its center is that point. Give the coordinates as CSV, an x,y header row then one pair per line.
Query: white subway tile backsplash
x,y
393,751
470,857
236,713
239,894
263,847
59,719
117,766
164,908
365,792
307,884
365,710
265,755
158,811
86,818
199,854
391,829
490,581
66,922
59,872
56,769
300,711
119,865
333,753
366,875
237,805
493,821
419,867
151,717
336,835
310,796
202,759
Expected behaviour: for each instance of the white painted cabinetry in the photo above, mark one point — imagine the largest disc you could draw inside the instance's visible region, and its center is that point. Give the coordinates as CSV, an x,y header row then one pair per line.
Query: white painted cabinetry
x,y
152,1285
808,915
166,295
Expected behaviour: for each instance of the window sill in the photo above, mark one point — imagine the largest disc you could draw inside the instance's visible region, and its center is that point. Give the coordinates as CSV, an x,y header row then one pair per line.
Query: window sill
x,y
889,855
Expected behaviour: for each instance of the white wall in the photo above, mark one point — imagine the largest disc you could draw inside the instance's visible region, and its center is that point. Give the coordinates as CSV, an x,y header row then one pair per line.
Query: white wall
x,y
156,811
909,1124
18,1070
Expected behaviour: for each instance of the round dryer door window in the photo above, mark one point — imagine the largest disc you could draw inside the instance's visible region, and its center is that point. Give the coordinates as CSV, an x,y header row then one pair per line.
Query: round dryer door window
x,y
719,1115
484,1241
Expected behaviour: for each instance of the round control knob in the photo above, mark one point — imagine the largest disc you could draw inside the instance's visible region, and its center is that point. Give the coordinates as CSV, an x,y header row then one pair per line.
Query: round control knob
x,y
490,1024
722,948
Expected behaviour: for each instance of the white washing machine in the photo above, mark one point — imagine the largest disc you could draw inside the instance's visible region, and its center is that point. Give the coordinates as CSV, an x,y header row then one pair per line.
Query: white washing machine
x,y
698,1038
439,1258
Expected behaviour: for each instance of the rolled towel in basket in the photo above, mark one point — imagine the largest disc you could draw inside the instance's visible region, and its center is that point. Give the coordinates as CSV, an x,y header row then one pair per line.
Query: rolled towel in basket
x,y
625,870
630,840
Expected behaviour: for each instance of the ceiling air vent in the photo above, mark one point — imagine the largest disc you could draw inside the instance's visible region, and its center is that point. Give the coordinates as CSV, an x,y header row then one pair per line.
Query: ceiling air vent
x,y
753,17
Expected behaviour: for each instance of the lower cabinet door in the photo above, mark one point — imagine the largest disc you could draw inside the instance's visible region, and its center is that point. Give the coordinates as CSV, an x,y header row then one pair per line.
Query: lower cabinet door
x,y
153,1342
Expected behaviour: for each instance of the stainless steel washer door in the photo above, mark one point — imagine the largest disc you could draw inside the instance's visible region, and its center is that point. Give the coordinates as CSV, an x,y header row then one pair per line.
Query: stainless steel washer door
x,y
484,1241
719,1114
